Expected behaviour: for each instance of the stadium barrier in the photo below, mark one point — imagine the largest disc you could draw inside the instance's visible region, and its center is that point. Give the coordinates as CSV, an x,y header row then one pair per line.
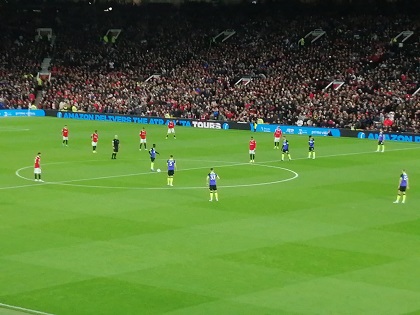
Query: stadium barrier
x,y
296,130
373,135
148,120
225,125
21,112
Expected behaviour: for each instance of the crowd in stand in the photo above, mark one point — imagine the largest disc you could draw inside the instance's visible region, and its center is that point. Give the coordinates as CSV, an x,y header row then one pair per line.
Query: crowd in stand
x,y
21,54
166,63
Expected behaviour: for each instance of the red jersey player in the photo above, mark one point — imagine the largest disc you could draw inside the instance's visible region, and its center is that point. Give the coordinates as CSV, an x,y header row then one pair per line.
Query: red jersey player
x,y
143,138
94,138
65,133
277,136
171,129
37,168
252,147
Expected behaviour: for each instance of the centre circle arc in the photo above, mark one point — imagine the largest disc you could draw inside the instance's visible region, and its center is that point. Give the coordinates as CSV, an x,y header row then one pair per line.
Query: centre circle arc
x,y
72,183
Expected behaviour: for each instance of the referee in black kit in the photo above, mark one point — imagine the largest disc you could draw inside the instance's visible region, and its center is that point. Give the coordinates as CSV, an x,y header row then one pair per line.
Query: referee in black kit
x,y
115,147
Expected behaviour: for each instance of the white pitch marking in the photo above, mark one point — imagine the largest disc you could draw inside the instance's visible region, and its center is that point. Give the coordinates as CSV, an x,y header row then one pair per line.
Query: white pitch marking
x,y
69,182
118,176
21,186
295,175
135,174
27,310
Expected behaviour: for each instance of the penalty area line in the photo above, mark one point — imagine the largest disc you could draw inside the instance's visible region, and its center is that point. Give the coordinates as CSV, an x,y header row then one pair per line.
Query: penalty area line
x,y
23,309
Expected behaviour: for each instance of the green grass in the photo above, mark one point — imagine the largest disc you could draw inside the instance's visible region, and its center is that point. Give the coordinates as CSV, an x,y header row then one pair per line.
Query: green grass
x,y
104,236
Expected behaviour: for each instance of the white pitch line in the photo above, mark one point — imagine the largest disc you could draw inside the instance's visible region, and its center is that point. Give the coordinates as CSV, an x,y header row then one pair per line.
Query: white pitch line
x,y
295,175
143,173
359,153
27,310
194,168
118,176
146,173
18,186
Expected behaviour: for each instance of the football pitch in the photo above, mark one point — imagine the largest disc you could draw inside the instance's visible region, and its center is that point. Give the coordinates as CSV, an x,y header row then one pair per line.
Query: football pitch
x,y
104,236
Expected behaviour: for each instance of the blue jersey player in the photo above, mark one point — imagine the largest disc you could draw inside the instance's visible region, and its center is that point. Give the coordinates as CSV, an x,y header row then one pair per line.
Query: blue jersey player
x,y
402,187
171,170
212,177
152,153
285,149
311,143
381,142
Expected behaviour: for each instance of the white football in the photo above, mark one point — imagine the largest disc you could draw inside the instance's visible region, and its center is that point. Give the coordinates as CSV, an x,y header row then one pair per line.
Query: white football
x,y
158,170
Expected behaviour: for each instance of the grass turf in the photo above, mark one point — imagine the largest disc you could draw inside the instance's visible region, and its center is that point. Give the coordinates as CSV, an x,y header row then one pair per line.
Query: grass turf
x,y
104,236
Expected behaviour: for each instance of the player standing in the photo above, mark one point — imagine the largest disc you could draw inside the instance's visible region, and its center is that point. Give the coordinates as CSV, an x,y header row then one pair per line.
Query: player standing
x,y
153,153
65,133
212,177
252,147
285,149
277,136
94,138
37,168
143,138
381,141
115,147
171,129
171,170
402,187
311,144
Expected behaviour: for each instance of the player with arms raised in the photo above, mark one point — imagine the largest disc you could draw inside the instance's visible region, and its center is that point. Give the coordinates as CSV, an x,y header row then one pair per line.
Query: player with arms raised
x,y
65,134
171,163
252,148
212,177
171,129
143,138
402,187
277,136
37,168
94,137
